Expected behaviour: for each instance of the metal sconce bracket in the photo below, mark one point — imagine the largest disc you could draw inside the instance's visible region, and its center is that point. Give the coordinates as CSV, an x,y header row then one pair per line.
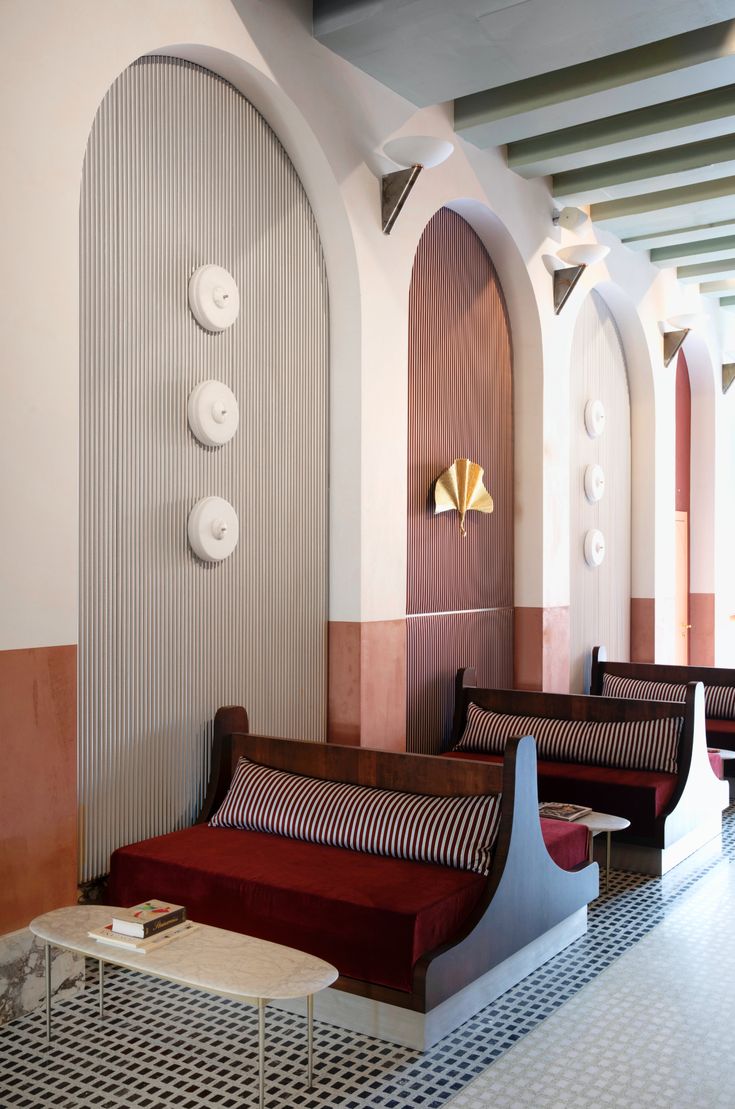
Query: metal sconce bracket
x,y
728,375
394,190
672,344
564,282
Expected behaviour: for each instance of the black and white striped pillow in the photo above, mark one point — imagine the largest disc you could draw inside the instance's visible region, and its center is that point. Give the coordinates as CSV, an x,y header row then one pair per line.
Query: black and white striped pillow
x,y
719,700
635,689
630,745
453,831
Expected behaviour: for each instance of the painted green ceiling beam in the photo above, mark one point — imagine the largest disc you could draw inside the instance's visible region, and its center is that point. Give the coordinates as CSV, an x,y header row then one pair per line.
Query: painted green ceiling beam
x,y
672,115
717,288
679,236
664,198
714,271
663,254
705,44
658,163
727,302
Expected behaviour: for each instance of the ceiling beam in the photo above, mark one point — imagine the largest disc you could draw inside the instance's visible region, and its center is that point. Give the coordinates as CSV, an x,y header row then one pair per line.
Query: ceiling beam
x,y
642,63
717,288
665,198
658,163
649,122
727,302
668,254
700,232
712,270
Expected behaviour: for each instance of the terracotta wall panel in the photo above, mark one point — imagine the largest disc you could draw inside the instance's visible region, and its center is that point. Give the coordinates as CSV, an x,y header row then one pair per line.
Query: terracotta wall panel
x,y
38,794
642,629
702,634
367,684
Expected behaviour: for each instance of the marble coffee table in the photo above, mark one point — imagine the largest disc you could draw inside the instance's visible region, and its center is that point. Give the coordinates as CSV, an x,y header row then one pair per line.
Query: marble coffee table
x,y
210,959
603,822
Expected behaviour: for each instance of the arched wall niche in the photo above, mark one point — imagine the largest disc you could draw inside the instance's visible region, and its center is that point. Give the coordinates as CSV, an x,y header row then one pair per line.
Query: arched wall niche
x,y
459,589
345,298
650,519
702,484
163,638
599,599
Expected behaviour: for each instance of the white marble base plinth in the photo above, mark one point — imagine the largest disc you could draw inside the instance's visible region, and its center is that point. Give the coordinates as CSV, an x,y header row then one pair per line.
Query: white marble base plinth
x,y
658,861
422,1030
22,988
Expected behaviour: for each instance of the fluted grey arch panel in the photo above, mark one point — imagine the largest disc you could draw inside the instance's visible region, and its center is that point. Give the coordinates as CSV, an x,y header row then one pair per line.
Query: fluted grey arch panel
x,y
181,170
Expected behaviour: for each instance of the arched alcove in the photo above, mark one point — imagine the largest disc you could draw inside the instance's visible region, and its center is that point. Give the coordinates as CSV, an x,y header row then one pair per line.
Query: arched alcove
x,y
459,589
599,489
695,370
164,638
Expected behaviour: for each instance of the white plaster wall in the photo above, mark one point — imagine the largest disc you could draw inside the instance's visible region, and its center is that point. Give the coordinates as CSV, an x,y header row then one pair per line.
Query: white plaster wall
x,y
56,63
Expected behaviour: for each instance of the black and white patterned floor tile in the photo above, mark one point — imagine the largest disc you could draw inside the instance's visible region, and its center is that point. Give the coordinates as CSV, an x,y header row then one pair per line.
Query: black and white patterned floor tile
x,y
166,1045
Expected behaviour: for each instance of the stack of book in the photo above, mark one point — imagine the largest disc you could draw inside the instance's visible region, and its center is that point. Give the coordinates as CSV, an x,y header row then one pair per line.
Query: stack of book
x,y
145,927
560,810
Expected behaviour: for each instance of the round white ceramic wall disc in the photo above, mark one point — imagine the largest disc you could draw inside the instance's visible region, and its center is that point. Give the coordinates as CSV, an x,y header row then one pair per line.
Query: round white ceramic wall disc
x,y
214,298
213,529
213,413
594,482
594,418
594,547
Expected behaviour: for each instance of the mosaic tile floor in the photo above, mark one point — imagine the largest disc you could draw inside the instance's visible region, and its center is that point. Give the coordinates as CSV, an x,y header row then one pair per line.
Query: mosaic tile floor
x,y
170,1046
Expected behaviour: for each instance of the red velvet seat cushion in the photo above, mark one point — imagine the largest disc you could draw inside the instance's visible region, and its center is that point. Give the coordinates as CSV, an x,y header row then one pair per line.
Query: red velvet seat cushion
x,y
721,733
372,917
638,795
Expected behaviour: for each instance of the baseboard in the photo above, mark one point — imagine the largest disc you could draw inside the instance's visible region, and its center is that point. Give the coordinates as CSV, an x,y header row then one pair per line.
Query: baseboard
x,y
422,1030
657,861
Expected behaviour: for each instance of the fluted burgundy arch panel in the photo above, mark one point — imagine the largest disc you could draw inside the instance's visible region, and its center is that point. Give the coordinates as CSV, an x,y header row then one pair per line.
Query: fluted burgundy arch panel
x,y
459,591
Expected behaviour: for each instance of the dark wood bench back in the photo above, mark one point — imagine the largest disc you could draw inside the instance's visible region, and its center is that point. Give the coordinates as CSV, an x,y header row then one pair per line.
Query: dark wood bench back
x,y
359,765
558,706
656,672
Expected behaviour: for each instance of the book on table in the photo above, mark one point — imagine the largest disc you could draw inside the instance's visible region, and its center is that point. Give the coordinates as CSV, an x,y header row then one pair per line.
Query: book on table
x,y
147,919
142,945
561,810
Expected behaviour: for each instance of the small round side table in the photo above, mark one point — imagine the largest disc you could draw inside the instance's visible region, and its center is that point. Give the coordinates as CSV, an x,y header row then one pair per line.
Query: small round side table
x,y
603,822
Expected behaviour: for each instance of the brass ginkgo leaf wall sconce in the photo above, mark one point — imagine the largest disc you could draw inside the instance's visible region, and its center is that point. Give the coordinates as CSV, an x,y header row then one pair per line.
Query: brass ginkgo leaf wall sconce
x,y
461,488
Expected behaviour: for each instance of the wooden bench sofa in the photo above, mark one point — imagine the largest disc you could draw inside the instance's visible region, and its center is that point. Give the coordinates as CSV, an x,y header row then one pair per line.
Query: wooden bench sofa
x,y
674,807
420,947
668,682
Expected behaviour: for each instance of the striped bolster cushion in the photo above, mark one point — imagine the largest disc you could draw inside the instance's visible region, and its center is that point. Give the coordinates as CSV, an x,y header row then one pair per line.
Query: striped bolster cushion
x,y
630,745
455,831
719,700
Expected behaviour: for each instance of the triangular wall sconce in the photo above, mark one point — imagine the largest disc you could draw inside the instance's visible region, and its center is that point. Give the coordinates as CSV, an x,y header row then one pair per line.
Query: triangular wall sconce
x,y
673,341
728,375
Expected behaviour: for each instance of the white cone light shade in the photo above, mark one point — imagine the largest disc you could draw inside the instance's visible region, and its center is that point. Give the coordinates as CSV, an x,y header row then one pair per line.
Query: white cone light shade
x,y
594,548
418,150
214,298
594,483
213,413
583,254
213,529
594,418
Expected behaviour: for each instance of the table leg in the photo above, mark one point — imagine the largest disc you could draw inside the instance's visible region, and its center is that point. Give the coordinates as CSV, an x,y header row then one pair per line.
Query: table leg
x,y
101,966
310,1040
261,1052
607,866
47,956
